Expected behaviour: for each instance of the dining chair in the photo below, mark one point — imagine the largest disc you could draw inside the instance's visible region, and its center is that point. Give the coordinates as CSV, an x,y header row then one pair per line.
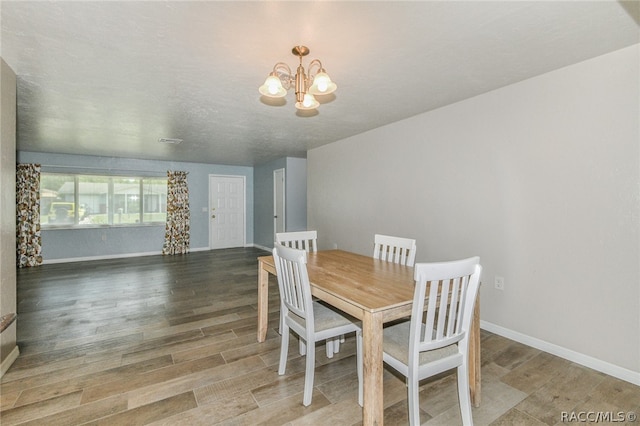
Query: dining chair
x,y
308,241
305,240
394,249
436,340
310,320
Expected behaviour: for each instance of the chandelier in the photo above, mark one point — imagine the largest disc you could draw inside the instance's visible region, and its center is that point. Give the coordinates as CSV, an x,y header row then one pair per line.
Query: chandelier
x,y
281,79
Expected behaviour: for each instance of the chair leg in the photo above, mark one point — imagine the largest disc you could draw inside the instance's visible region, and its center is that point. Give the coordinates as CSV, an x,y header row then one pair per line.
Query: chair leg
x,y
414,401
281,325
333,345
329,348
359,366
302,347
284,350
463,394
309,373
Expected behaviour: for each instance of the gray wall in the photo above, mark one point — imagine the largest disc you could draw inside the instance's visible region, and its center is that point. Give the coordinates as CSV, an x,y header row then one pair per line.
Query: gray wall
x,y
131,240
540,179
295,198
263,184
8,348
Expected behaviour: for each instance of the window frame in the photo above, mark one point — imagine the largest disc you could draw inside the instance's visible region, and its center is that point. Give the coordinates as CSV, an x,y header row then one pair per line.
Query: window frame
x,y
110,214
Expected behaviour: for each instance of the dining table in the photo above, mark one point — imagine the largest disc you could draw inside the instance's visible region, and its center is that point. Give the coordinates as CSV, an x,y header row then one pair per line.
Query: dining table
x,y
375,292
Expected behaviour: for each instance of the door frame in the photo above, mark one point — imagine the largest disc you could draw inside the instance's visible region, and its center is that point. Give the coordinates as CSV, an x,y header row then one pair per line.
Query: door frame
x,y
284,201
244,206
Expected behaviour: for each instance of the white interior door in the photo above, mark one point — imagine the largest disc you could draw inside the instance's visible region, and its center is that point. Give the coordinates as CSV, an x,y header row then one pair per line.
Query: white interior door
x,y
226,211
278,202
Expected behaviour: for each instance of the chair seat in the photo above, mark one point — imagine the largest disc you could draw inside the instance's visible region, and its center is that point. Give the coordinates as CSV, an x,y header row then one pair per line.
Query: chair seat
x,y
396,344
326,318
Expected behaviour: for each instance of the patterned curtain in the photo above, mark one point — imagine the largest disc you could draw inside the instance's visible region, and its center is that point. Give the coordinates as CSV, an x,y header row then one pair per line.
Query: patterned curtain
x,y
28,237
176,239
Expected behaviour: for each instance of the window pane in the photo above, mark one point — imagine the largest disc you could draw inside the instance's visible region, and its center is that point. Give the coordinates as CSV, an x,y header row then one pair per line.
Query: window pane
x,y
57,199
126,200
155,199
89,200
93,196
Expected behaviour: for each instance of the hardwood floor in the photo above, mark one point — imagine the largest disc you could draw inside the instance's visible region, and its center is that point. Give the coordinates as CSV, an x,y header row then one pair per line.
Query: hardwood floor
x,y
171,340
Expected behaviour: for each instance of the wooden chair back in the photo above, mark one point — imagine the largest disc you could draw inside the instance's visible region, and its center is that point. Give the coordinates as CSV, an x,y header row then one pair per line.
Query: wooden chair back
x,y
395,249
450,289
301,240
293,282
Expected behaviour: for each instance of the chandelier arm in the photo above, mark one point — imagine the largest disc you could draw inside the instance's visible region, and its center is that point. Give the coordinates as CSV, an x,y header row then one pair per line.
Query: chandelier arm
x,y
316,63
283,72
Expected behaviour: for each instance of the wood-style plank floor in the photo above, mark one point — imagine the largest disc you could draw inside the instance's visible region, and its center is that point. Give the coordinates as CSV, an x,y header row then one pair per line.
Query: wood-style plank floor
x,y
171,340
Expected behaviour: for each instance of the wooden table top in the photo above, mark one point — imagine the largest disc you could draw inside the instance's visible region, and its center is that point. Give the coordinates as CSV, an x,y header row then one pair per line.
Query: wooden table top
x,y
370,284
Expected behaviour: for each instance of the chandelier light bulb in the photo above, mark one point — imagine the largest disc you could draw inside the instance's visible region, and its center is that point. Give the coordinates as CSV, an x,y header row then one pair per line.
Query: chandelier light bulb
x,y
272,87
308,102
322,84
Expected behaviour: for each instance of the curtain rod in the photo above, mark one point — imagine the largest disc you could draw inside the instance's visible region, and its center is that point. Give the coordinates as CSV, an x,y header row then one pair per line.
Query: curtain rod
x,y
53,166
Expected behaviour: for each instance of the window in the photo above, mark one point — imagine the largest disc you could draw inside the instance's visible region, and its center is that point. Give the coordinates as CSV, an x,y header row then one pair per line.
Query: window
x,y
101,200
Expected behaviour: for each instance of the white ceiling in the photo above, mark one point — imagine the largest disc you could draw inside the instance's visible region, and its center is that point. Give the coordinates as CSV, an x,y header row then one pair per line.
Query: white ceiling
x,y
109,78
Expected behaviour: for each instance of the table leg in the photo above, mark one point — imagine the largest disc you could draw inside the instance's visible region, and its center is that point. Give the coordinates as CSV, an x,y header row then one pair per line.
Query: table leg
x,y
474,356
373,408
263,301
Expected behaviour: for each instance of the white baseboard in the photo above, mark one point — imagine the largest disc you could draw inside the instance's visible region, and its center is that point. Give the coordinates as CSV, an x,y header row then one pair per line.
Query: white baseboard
x,y
577,357
199,249
102,257
8,361
113,256
122,256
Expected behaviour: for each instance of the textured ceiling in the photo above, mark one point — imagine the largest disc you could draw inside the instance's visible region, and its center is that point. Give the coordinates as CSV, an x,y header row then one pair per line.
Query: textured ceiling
x,y
109,78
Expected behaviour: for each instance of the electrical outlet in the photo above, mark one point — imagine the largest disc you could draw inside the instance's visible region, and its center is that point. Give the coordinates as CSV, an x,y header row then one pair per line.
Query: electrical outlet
x,y
499,283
